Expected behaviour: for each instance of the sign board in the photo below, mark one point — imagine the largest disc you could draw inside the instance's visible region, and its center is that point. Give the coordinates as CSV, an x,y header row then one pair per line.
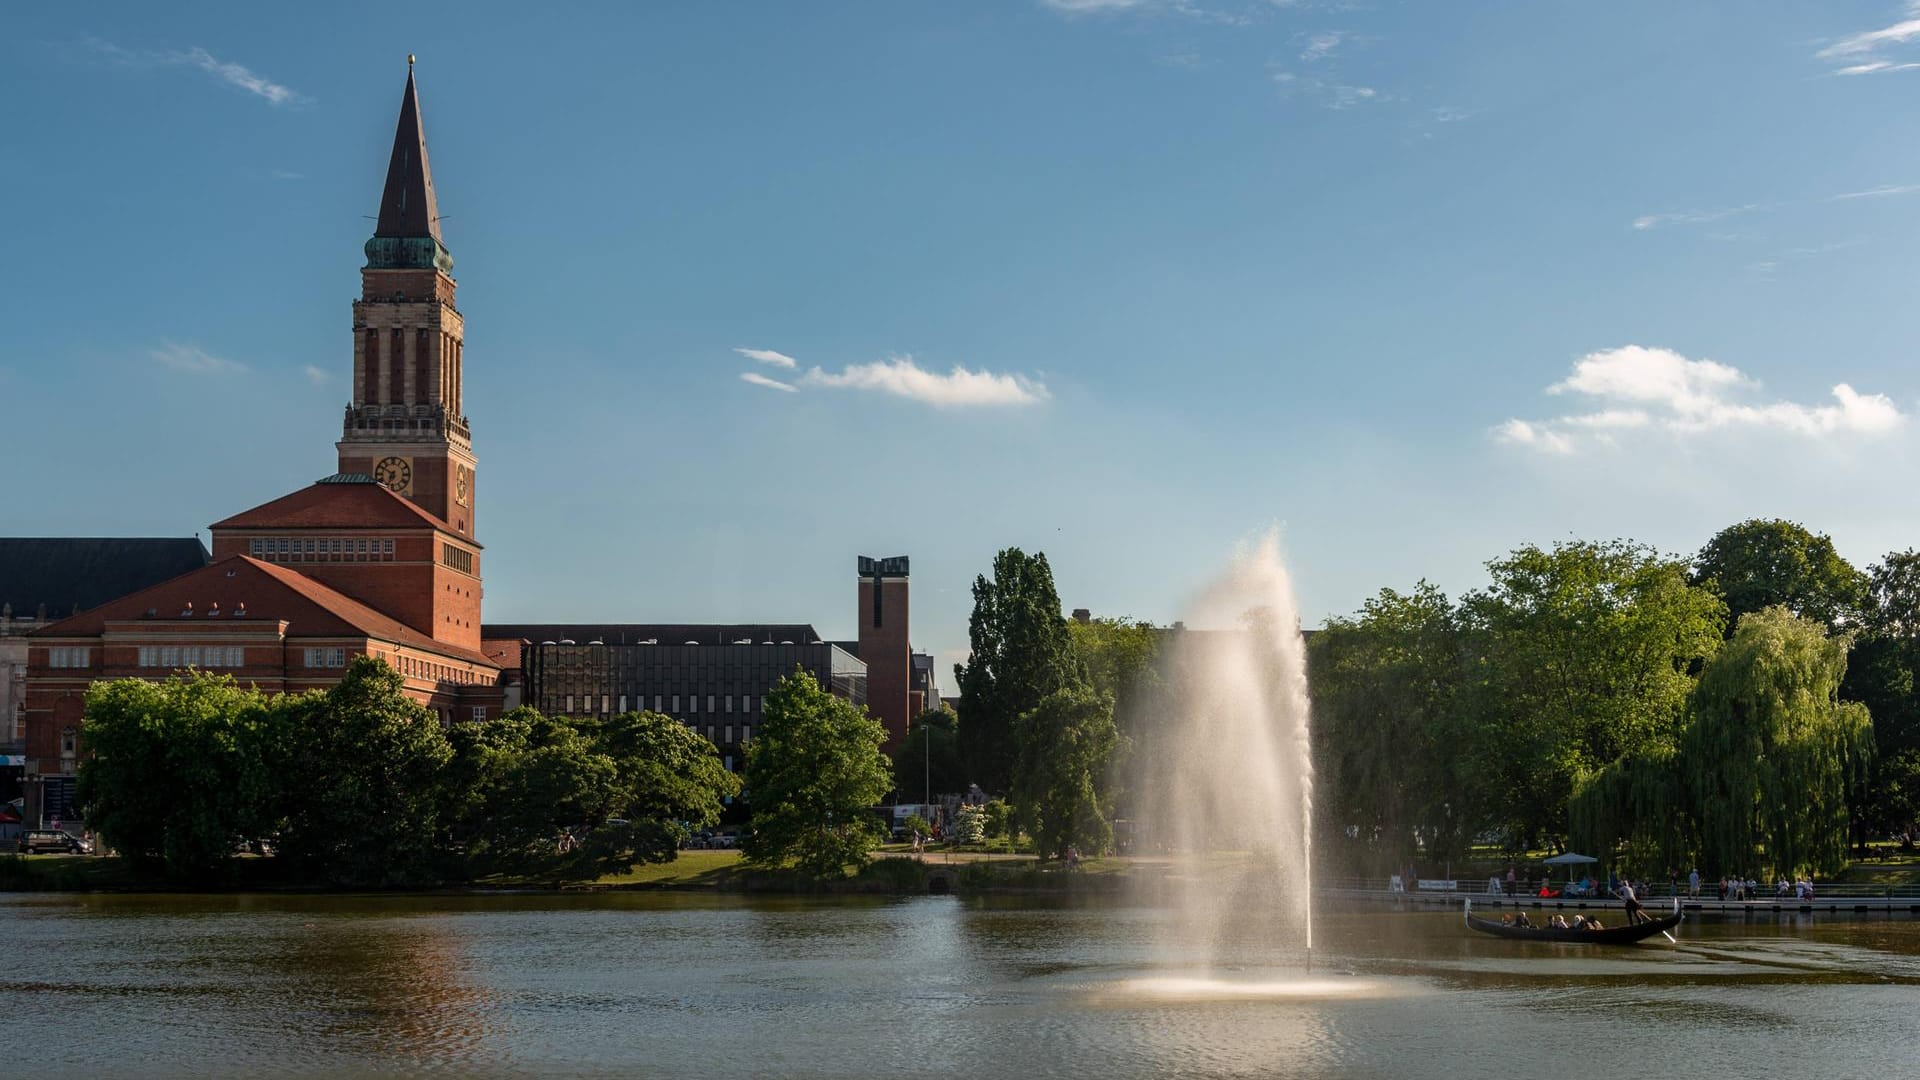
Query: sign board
x,y
1427,885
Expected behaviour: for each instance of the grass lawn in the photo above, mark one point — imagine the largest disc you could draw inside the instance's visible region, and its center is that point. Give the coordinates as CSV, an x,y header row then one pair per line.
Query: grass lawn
x,y
691,868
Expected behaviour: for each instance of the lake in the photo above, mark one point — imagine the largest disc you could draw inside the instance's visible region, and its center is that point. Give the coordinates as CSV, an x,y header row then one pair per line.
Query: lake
x,y
697,985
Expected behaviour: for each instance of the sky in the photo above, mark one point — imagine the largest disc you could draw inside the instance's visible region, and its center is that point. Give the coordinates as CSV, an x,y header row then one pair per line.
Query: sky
x,y
753,289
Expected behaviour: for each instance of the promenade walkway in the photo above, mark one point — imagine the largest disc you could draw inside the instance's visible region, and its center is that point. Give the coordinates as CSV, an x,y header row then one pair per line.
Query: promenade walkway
x,y
1903,899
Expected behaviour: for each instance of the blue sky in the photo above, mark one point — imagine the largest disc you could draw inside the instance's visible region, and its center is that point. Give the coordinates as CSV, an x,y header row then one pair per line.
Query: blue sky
x,y
1415,282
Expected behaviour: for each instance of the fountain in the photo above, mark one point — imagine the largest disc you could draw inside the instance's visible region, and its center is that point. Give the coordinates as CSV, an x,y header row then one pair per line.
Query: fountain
x,y
1225,788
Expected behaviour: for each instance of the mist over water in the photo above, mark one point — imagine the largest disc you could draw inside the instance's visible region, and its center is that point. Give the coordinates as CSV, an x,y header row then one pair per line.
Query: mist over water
x,y
1226,787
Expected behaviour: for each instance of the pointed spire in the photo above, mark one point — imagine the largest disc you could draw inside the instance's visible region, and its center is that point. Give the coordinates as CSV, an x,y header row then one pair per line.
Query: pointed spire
x,y
407,207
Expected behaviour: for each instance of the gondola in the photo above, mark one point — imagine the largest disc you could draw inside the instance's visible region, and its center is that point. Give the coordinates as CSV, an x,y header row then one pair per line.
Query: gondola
x,y
1612,935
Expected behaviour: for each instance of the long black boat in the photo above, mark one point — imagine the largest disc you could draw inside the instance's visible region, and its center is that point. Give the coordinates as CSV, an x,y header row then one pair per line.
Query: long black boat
x,y
1624,934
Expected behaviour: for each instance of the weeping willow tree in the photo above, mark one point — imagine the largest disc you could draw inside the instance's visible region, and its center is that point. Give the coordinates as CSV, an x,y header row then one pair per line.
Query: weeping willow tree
x,y
1639,801
1770,751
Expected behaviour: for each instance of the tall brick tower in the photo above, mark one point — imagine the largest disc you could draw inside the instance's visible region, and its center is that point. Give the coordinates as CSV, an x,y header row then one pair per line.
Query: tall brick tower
x,y
405,426
884,643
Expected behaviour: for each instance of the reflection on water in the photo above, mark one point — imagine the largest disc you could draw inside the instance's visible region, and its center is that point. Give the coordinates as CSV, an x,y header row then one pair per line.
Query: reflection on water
x,y
694,985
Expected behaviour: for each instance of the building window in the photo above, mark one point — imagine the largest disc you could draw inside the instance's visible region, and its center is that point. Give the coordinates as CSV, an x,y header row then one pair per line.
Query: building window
x,y
67,656
729,732
709,703
729,702
457,558
676,703
479,713
256,548
334,657
656,703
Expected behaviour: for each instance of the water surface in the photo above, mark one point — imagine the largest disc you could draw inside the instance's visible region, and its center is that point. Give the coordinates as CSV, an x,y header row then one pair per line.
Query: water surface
x,y
678,985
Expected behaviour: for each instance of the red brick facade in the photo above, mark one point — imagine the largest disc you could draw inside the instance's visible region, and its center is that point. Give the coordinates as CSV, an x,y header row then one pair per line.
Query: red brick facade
x,y
884,644
377,560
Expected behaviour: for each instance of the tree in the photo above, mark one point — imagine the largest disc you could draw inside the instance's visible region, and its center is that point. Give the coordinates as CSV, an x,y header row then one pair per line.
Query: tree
x,y
1020,654
1388,745
173,774
970,825
1771,751
359,771
930,754
671,780
1578,656
1065,745
1120,658
1763,563
814,771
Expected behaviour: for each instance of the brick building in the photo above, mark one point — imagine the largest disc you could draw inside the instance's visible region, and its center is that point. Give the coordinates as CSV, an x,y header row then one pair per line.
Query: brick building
x,y
378,559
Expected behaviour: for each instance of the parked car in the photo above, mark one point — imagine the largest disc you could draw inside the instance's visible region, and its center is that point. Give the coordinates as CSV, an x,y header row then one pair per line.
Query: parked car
x,y
45,840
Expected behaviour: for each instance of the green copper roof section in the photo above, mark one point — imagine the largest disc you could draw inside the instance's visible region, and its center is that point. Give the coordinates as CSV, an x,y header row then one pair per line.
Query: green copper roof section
x,y
407,236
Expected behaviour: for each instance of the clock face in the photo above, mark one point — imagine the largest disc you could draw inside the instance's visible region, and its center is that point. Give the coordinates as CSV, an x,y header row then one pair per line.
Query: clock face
x,y
460,475
396,473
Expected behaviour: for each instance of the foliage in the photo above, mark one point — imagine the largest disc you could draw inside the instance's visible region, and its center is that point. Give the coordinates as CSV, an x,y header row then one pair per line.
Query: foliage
x,y
359,794
1065,745
1119,657
1640,800
999,818
970,825
813,771
929,755
174,774
1579,655
1021,653
1763,563
916,824
1771,750
1388,747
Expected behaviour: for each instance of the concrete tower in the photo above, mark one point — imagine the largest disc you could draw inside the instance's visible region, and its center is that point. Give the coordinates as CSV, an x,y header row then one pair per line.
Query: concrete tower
x,y
884,642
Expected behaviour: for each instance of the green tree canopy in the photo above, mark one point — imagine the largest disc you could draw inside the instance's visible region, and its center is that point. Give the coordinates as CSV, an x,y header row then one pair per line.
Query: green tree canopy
x,y
1771,751
814,772
1763,563
174,774
359,774
1579,655
1388,737
930,754
1021,653
1065,746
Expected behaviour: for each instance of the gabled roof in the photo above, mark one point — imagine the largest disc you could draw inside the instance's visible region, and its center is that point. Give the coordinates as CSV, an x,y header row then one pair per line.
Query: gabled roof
x,y
407,205
265,591
68,574
343,501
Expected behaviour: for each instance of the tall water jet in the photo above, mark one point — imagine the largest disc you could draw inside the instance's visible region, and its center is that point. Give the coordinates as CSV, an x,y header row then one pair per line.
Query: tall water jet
x,y
1225,787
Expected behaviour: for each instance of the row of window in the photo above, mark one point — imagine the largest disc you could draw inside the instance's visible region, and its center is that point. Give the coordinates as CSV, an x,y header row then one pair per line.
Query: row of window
x,y
458,558
335,656
426,669
185,656
68,656
667,703
320,549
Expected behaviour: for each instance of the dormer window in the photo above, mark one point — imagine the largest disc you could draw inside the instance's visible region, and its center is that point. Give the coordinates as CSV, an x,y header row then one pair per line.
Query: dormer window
x,y
213,612
187,612
240,610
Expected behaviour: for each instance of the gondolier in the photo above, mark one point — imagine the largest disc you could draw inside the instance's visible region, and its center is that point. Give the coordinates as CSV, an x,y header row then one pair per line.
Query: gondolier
x,y
1635,913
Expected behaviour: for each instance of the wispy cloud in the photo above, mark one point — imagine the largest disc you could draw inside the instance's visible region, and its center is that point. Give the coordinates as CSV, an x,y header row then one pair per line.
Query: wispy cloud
x,y
1326,92
1634,388
233,74
1691,217
318,376
768,356
1447,114
901,376
192,360
1190,9
1320,44
1860,53
1876,193
758,379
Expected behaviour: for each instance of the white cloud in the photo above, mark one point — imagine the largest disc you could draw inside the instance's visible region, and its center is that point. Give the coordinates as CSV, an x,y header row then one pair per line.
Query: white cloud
x,y
1083,7
1860,54
768,356
192,360
758,379
1639,388
958,388
1321,44
1879,192
1330,94
1691,217
316,375
233,74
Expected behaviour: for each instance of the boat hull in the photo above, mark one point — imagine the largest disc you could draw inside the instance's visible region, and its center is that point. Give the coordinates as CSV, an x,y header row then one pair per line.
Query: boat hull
x,y
1612,935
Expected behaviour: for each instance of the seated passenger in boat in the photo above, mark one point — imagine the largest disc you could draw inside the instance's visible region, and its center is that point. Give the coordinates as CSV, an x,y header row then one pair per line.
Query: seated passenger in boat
x,y
1579,922
1558,922
1520,919
1594,924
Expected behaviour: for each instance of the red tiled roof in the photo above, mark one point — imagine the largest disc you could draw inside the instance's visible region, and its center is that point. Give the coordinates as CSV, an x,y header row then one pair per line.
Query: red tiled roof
x,y
268,592
351,505
505,652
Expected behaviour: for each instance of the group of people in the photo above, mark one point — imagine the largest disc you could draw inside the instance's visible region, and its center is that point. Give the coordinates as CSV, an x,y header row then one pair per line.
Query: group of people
x,y
1738,888
1555,921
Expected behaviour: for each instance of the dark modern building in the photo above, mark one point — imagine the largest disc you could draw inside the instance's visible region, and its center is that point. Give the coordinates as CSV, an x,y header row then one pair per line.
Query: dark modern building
x,y
712,677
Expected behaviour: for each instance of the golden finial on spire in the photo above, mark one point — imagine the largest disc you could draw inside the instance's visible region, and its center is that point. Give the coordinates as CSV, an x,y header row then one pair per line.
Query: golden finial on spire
x,y
409,61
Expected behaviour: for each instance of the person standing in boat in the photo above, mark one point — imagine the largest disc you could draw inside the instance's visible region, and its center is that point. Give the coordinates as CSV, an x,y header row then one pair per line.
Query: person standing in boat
x,y
1634,912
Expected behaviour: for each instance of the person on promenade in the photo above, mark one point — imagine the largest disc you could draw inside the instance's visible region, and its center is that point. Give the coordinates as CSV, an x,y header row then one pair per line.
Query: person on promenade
x,y
1693,883
1510,879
